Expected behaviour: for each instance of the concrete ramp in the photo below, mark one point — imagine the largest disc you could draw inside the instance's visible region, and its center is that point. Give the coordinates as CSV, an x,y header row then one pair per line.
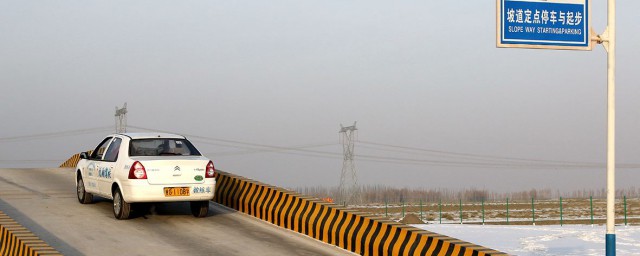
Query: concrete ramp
x,y
357,232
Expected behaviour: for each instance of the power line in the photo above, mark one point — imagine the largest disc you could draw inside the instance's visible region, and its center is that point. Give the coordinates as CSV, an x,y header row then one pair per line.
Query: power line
x,y
55,134
29,161
471,164
476,156
256,151
468,160
458,159
246,145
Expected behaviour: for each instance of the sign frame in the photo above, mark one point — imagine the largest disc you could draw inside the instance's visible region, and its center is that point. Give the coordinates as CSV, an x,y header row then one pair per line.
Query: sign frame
x,y
541,44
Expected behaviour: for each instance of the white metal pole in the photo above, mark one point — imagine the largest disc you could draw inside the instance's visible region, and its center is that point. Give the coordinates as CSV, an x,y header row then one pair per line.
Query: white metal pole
x,y
611,133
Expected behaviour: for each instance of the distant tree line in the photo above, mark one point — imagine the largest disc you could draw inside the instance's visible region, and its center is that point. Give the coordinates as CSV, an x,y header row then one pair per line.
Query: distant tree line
x,y
372,194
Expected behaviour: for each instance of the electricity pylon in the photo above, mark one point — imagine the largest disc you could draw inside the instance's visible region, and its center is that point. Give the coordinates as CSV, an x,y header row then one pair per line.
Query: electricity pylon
x,y
348,192
121,119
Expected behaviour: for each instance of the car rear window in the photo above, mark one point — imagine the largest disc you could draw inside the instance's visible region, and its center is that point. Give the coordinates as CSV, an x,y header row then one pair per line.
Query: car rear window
x,y
162,147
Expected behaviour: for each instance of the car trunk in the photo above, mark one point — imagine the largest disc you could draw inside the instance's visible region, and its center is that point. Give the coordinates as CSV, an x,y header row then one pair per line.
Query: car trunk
x,y
174,170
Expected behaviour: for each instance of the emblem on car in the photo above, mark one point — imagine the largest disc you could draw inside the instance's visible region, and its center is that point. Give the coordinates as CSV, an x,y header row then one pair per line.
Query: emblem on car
x,y
176,171
177,168
198,178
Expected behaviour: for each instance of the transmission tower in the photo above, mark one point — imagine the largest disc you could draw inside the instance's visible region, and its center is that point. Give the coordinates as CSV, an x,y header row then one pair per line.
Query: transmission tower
x,y
121,119
348,192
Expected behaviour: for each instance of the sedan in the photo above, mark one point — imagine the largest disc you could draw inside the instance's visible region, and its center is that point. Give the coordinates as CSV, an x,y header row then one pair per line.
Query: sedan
x,y
131,168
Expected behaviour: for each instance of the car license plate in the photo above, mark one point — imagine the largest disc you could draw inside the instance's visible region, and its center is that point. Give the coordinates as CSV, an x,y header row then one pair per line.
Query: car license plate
x,y
181,191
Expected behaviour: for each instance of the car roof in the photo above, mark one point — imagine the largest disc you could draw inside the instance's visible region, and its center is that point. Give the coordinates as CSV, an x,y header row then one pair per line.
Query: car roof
x,y
150,135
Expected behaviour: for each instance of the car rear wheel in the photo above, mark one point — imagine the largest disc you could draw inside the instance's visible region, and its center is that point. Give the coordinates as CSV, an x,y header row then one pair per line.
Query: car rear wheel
x,y
83,196
200,209
121,209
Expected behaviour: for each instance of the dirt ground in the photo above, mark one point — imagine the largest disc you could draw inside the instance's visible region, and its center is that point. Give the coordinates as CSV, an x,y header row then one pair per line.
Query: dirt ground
x,y
545,212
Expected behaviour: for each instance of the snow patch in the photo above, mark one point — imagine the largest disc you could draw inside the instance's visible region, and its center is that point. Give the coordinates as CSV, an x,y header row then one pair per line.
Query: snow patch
x,y
538,240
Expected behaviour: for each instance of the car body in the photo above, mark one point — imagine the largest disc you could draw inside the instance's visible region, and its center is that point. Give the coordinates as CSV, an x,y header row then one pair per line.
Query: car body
x,y
134,168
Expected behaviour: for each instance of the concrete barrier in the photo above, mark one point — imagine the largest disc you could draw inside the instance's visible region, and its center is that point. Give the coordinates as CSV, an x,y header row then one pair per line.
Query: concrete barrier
x,y
17,240
330,223
71,162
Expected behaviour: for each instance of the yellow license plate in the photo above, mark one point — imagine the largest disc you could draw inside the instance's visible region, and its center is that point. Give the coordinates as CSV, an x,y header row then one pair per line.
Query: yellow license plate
x,y
182,191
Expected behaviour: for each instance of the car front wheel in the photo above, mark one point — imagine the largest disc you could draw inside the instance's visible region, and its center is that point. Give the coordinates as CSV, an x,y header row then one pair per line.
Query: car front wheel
x,y
200,209
83,196
121,209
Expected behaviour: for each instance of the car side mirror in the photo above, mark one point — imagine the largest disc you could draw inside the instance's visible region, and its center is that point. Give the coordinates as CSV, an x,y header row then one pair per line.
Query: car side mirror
x,y
84,155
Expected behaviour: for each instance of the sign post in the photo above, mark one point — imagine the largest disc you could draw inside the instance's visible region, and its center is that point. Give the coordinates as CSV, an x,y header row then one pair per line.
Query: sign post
x,y
609,42
564,25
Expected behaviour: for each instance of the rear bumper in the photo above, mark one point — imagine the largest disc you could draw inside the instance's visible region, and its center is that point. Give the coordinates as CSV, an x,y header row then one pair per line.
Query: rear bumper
x,y
143,192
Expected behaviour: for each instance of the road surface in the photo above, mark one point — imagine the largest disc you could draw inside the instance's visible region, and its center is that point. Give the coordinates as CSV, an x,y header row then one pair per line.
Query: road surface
x,y
44,201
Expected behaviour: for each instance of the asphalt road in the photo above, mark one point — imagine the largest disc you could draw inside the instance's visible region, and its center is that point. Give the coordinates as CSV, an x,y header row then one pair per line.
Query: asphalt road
x,y
44,201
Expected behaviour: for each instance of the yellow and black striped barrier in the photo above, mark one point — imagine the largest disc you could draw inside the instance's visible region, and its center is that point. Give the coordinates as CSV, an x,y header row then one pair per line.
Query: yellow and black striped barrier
x,y
18,240
73,161
330,223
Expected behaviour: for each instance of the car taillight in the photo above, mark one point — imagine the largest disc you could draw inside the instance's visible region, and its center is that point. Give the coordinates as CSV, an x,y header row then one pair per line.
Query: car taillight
x,y
137,171
211,171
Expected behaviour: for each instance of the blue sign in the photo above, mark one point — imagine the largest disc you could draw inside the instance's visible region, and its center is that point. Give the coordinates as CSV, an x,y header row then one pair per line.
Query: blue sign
x,y
555,24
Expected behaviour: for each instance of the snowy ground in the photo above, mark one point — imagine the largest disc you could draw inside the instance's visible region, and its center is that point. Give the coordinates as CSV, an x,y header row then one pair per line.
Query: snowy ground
x,y
543,240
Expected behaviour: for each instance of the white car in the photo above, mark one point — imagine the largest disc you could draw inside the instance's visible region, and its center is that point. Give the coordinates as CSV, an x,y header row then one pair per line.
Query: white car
x,y
146,167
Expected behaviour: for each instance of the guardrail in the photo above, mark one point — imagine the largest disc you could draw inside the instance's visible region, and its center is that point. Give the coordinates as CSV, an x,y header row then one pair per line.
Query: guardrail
x,y
357,232
18,240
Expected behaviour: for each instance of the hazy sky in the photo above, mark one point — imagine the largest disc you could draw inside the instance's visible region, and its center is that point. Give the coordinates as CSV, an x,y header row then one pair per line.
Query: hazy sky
x,y
420,74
